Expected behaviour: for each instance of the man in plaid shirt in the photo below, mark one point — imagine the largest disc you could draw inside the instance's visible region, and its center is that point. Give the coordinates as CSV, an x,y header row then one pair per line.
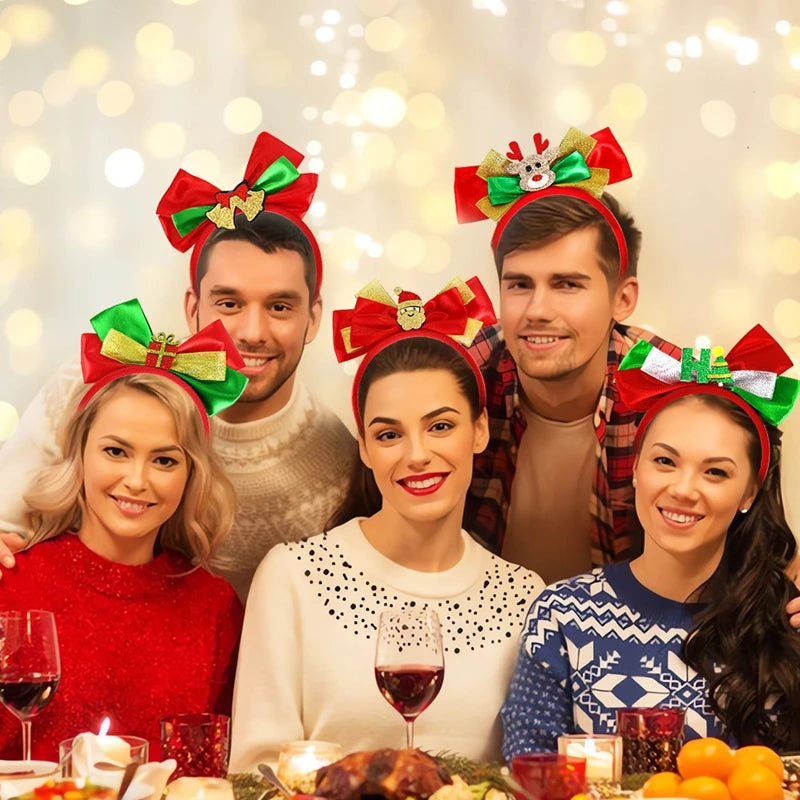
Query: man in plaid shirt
x,y
558,497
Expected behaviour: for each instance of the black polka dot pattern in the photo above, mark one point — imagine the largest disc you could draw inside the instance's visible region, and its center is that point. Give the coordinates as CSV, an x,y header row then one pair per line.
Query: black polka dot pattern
x,y
491,612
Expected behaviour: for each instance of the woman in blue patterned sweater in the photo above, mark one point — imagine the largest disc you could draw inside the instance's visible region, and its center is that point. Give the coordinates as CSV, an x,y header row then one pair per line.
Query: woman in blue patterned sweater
x,y
696,621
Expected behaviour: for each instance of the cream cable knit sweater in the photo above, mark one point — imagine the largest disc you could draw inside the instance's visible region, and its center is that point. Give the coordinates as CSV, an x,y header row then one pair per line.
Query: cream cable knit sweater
x,y
289,470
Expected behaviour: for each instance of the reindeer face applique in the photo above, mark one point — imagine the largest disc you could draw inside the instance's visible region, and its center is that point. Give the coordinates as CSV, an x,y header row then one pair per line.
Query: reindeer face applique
x,y
534,171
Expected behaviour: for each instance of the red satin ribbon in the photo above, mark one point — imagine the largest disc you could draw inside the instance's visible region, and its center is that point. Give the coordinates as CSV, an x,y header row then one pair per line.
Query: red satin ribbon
x,y
211,338
756,350
187,191
292,202
470,188
608,154
371,322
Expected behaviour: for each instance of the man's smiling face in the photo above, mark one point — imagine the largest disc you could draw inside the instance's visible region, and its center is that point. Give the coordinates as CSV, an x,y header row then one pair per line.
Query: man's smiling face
x,y
263,301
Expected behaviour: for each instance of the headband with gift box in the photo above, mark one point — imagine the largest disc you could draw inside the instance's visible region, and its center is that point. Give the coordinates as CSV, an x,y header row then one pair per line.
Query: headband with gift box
x,y
192,209
581,167
205,365
750,376
453,316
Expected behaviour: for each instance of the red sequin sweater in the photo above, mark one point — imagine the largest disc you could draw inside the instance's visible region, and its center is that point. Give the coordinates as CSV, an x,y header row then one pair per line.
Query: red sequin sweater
x,y
136,642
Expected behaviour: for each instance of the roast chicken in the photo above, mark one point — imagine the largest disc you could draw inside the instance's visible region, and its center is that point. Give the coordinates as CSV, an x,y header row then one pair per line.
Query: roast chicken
x,y
391,774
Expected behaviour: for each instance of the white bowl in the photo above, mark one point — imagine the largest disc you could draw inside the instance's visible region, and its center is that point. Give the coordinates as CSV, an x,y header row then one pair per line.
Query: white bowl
x,y
12,785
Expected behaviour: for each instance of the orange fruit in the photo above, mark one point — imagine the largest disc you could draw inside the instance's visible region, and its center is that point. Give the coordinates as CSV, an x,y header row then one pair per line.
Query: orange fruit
x,y
704,788
755,782
709,757
758,754
662,784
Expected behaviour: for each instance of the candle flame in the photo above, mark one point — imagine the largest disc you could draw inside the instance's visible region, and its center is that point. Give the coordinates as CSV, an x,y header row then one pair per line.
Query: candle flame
x,y
104,726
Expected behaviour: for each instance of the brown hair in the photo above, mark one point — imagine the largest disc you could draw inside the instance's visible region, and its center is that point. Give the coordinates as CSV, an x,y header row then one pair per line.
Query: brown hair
x,y
543,221
409,354
268,232
415,353
204,517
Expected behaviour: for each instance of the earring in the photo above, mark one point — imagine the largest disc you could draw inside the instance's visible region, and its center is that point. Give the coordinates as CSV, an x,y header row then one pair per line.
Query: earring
x,y
743,510
633,483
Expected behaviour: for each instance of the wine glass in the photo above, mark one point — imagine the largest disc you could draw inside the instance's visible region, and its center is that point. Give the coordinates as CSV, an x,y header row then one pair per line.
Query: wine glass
x,y
30,666
409,662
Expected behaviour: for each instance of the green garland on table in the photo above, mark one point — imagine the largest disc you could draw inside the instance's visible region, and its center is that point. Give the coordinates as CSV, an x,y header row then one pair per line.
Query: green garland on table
x,y
472,772
251,787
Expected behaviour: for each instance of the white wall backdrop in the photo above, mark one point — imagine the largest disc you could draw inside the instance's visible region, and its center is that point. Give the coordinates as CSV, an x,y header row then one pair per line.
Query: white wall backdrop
x,y
101,101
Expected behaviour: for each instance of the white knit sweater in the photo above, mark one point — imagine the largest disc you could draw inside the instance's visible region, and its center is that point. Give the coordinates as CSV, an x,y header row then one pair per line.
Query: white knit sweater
x,y
290,470
308,647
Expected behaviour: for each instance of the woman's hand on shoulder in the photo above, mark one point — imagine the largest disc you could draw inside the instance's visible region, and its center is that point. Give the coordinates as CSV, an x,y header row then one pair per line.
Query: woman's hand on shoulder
x,y
11,543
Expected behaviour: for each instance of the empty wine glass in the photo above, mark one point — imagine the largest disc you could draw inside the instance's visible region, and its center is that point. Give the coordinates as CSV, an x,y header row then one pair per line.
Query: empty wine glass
x,y
409,662
30,666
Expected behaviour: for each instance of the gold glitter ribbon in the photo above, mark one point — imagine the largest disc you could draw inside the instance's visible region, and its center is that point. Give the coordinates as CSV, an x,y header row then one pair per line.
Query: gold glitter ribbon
x,y
207,366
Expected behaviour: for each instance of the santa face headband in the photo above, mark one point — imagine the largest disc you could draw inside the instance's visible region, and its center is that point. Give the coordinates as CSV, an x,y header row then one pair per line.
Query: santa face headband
x,y
192,209
749,376
204,366
454,316
580,167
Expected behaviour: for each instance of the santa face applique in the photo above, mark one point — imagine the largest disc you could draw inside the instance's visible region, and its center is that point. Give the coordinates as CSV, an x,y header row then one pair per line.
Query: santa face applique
x,y
410,311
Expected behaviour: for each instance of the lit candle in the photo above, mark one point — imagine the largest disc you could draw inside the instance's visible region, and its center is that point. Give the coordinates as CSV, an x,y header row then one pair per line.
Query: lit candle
x,y
299,761
603,754
599,765
115,750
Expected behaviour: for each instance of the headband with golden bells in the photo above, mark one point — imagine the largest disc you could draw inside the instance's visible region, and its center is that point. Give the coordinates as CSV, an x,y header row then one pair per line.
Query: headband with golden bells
x,y
205,365
454,316
750,376
581,167
192,209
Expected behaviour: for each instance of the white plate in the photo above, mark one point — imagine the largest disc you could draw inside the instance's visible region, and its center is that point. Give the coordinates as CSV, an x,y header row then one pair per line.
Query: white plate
x,y
11,786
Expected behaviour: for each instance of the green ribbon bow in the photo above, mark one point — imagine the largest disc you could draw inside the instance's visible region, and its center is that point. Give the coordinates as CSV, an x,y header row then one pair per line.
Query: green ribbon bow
x,y
278,175
572,168
200,361
772,396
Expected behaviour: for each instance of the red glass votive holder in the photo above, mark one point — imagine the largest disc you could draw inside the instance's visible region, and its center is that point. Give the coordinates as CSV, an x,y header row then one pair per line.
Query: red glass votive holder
x,y
549,776
200,744
651,739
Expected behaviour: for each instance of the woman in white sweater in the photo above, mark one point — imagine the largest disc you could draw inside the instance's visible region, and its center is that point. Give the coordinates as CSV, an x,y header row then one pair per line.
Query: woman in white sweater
x,y
308,647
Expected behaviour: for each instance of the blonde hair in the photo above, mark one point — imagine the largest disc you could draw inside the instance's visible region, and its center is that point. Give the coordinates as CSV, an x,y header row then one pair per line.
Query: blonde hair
x,y
205,514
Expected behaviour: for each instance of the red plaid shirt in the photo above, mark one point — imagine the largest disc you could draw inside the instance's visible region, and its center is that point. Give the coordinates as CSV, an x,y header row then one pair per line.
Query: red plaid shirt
x,y
611,501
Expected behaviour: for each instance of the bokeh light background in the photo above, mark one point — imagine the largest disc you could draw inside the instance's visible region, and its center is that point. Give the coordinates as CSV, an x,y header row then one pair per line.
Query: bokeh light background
x,y
102,101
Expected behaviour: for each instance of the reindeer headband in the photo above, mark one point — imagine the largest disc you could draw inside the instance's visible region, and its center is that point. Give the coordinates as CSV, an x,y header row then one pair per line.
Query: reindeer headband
x,y
581,167
205,365
192,209
750,376
454,316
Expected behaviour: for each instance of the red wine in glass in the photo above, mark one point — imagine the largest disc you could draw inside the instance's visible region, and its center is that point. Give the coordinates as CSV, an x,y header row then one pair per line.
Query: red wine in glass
x,y
409,662
27,697
410,688
30,666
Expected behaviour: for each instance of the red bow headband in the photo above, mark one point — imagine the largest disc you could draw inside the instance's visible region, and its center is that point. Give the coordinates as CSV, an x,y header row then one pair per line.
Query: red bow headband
x,y
453,316
750,376
191,208
581,166
205,365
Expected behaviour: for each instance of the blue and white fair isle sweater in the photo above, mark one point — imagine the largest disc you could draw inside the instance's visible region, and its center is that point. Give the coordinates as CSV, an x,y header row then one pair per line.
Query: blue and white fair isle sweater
x,y
593,644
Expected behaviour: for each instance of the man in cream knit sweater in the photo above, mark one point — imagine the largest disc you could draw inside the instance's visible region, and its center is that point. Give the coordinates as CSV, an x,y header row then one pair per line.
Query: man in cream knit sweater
x,y
288,457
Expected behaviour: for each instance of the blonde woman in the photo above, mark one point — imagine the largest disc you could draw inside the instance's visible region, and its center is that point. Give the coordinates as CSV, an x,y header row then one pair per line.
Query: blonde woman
x,y
124,525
